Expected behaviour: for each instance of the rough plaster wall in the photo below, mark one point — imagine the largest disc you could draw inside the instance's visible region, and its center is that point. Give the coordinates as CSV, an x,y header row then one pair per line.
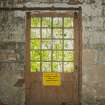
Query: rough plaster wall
x,y
93,52
12,51
11,58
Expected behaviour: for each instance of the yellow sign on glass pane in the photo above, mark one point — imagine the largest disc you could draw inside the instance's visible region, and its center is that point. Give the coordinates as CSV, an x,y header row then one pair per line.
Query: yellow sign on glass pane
x,y
51,79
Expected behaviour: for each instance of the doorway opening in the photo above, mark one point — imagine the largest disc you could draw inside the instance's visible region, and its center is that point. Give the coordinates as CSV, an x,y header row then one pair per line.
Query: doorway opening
x,y
53,58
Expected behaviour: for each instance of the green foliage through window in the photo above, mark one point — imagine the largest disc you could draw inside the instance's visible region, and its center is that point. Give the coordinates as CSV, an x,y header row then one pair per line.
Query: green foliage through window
x,y
68,22
52,44
35,66
46,55
68,56
57,67
35,55
35,44
46,33
46,22
35,22
57,22
68,66
35,33
57,55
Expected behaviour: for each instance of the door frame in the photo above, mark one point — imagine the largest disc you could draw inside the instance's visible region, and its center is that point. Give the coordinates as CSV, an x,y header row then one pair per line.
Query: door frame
x,y
77,28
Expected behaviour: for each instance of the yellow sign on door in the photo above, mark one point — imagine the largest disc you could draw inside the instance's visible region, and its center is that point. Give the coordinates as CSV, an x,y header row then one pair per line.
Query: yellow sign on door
x,y
51,79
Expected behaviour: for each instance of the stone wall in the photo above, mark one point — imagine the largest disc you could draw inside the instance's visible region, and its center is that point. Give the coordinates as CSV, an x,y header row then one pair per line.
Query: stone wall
x,y
12,35
11,56
93,52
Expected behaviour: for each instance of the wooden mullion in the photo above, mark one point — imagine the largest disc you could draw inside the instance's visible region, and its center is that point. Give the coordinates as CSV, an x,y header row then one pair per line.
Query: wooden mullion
x,y
52,38
53,27
53,49
41,44
49,61
63,44
52,44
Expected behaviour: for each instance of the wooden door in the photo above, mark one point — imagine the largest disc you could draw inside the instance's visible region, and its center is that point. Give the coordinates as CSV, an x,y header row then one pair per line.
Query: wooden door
x,y
53,58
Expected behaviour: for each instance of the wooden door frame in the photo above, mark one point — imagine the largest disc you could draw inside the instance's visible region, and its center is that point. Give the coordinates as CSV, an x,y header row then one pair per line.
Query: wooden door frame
x,y
78,31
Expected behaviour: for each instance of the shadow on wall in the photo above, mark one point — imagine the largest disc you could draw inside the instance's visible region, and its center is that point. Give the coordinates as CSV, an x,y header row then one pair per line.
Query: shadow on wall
x,y
2,103
92,100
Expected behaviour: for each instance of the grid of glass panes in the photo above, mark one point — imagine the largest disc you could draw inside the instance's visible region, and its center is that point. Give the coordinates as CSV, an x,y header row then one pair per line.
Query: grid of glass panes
x,y
52,44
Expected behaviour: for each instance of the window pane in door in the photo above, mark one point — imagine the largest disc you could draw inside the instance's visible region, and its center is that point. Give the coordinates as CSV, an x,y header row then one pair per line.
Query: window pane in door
x,y
68,44
57,67
46,66
35,66
57,55
57,33
52,44
68,56
46,33
57,22
46,22
46,55
35,44
46,44
68,66
35,55
35,32
35,22
68,22
69,33
57,44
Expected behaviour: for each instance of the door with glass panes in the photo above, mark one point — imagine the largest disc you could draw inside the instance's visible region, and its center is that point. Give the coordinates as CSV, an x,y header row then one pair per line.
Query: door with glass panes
x,y
53,53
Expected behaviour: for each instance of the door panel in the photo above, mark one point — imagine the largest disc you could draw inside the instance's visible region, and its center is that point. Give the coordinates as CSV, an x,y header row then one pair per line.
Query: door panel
x,y
52,48
60,94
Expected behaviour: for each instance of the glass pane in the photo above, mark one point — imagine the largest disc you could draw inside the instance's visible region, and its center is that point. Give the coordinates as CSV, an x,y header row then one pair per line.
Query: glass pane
x,y
46,33
57,67
35,55
46,22
68,66
68,22
57,33
57,55
46,44
35,33
46,55
35,22
46,66
57,44
35,44
68,56
68,33
57,22
35,66
68,44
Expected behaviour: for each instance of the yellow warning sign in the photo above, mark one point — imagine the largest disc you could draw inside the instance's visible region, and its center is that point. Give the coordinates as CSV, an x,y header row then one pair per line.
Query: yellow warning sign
x,y
51,79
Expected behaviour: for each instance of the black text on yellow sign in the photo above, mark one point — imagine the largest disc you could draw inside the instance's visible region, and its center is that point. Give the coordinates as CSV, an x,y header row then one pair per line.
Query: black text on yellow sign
x,y
51,79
